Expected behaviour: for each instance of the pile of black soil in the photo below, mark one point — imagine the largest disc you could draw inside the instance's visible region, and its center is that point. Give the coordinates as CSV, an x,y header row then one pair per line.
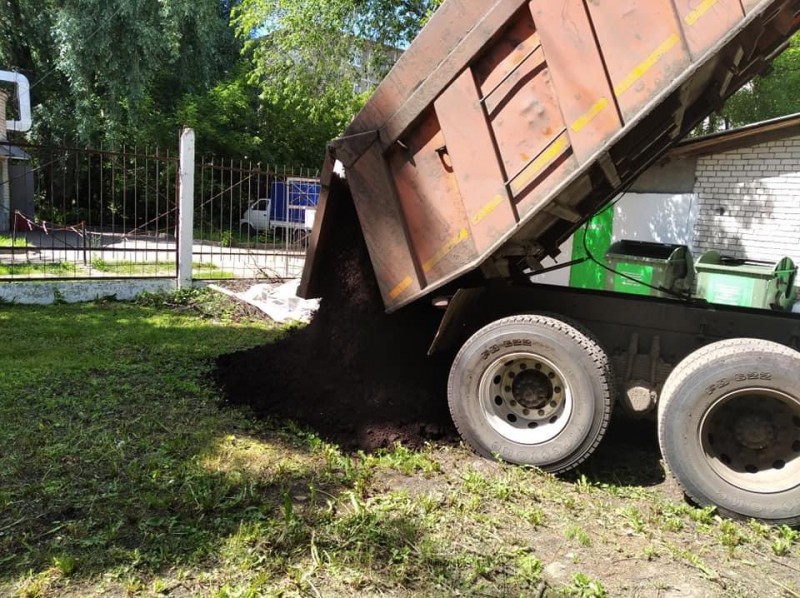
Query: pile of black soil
x,y
355,375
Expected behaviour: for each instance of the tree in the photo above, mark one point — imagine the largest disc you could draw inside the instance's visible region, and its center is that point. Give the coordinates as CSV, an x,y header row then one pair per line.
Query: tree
x,y
26,46
102,70
310,58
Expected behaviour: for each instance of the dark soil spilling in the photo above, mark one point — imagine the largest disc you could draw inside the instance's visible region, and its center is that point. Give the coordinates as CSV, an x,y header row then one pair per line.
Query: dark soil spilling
x,y
356,376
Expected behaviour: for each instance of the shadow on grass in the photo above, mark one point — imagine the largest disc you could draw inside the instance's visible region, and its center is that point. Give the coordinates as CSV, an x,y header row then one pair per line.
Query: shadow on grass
x,y
114,454
628,456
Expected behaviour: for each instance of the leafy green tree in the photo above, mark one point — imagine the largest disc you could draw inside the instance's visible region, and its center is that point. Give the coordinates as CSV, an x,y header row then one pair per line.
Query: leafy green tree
x,y
26,45
236,120
314,61
102,70
227,118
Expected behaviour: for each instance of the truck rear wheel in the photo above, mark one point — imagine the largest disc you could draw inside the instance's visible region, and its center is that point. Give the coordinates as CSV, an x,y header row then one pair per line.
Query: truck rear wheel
x,y
729,428
532,390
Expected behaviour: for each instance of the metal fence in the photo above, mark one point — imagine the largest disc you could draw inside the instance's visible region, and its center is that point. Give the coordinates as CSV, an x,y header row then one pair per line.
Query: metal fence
x,y
83,213
251,221
86,213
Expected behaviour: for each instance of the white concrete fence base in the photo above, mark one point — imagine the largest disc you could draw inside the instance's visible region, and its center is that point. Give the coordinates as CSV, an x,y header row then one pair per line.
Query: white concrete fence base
x,y
46,293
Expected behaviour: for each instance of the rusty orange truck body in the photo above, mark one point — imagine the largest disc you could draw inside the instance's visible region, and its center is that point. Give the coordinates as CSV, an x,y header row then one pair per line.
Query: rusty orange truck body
x,y
502,129
506,124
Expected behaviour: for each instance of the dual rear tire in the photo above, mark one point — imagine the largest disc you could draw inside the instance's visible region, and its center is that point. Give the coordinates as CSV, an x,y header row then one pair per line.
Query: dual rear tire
x,y
729,429
539,391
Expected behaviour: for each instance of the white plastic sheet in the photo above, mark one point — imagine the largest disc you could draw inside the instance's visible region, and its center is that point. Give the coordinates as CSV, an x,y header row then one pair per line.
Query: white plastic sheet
x,y
280,301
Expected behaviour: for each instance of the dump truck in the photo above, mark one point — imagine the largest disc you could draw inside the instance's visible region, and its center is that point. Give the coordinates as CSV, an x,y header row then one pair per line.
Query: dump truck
x,y
504,127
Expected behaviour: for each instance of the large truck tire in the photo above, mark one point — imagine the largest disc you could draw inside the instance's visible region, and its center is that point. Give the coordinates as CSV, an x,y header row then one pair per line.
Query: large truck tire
x,y
532,390
729,429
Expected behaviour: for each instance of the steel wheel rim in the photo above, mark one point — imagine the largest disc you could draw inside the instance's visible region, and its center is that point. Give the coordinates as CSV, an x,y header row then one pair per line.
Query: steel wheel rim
x,y
525,398
751,440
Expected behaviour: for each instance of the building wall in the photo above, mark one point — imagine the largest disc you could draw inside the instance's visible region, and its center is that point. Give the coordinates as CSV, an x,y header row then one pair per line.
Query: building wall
x,y
748,202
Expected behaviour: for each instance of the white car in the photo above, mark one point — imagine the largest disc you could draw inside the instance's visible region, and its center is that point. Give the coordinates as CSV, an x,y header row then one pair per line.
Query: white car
x,y
256,217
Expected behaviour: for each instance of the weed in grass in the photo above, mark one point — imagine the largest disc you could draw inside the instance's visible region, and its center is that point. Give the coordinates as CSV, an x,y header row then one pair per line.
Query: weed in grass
x,y
789,534
529,568
475,482
405,461
781,547
502,489
290,519
65,563
36,585
160,586
584,586
624,491
731,534
759,528
787,538
694,560
355,472
99,264
570,503
670,517
133,585
433,502
671,523
583,485
634,519
579,535
532,515
704,516
650,552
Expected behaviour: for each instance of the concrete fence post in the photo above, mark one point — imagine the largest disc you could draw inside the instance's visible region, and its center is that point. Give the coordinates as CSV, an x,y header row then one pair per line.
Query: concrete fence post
x,y
186,209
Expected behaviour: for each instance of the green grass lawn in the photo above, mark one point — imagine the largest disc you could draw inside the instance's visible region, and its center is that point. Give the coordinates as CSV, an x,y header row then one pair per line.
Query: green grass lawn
x,y
10,241
109,424
35,269
121,475
203,270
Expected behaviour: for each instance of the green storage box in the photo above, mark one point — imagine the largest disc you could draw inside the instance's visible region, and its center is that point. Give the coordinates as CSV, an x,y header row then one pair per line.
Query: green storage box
x,y
651,269
746,283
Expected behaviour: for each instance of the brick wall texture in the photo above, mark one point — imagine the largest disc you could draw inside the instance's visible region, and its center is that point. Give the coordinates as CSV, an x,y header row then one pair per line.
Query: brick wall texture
x,y
749,202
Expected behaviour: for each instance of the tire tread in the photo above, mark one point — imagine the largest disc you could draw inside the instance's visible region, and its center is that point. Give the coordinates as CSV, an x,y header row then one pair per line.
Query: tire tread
x,y
696,362
591,347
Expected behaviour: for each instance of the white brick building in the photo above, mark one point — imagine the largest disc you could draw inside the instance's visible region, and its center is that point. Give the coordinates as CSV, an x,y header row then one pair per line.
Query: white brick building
x,y
746,190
